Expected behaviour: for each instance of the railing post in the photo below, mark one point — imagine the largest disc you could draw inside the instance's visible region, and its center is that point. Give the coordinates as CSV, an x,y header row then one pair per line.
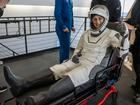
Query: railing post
x,y
39,25
6,28
30,26
26,46
48,24
85,26
19,28
13,54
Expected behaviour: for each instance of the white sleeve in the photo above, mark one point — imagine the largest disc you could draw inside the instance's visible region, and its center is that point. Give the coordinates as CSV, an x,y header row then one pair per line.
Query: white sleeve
x,y
124,48
115,40
121,41
80,44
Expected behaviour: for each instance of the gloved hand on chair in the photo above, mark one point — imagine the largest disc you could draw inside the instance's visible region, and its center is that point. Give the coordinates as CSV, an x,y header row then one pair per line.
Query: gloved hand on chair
x,y
75,58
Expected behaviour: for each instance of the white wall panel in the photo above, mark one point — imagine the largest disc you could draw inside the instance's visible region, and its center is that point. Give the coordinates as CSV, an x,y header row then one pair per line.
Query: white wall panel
x,y
34,43
42,41
46,7
77,3
29,10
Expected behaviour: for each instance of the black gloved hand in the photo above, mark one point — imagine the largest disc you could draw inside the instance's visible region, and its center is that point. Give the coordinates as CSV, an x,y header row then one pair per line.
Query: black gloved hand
x,y
79,54
75,59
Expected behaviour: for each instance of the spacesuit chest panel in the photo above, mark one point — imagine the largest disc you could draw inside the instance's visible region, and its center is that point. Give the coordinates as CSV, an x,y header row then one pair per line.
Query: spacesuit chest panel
x,y
95,48
100,39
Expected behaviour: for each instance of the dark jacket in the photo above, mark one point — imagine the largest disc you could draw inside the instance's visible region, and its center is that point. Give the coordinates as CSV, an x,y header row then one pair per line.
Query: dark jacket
x,y
114,7
135,21
64,13
135,15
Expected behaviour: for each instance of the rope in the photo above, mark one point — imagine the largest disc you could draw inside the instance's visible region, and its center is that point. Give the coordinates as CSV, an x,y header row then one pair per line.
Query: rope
x,y
77,33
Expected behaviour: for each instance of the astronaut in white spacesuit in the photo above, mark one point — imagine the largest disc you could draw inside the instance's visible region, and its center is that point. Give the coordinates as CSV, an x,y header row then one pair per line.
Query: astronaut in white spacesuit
x,y
89,52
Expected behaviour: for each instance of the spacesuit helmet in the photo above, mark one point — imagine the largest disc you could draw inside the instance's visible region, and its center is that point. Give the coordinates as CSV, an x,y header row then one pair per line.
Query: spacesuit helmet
x,y
102,11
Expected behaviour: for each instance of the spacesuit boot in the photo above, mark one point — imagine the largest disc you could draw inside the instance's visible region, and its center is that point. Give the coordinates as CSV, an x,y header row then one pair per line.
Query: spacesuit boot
x,y
58,90
20,85
136,98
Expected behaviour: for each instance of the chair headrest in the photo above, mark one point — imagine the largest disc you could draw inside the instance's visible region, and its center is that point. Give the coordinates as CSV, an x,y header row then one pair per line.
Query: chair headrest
x,y
110,55
119,27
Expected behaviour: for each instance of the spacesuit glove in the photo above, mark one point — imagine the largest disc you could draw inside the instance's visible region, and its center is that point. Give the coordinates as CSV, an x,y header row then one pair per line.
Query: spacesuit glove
x,y
75,59
79,54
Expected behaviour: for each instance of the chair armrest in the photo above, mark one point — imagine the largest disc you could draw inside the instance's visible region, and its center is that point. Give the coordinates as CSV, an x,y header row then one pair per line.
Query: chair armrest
x,y
96,69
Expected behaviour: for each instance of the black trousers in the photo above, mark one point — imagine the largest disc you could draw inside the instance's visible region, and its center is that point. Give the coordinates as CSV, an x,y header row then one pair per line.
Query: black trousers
x,y
135,50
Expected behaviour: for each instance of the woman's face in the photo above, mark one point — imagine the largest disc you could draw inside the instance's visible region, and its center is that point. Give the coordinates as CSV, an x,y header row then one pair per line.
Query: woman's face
x,y
97,21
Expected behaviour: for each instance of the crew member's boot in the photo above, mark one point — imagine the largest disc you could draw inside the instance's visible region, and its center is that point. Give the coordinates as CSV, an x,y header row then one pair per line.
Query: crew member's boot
x,y
20,85
136,98
58,90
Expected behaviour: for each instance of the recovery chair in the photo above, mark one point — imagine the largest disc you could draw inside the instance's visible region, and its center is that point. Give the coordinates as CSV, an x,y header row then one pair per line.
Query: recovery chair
x,y
96,90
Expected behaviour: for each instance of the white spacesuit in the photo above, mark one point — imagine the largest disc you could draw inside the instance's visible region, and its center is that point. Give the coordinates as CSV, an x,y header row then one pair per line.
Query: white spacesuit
x,y
92,46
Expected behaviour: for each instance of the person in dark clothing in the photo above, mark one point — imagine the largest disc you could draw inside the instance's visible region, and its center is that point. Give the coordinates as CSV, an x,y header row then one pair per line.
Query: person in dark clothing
x,y
2,6
114,7
135,48
1,12
64,24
